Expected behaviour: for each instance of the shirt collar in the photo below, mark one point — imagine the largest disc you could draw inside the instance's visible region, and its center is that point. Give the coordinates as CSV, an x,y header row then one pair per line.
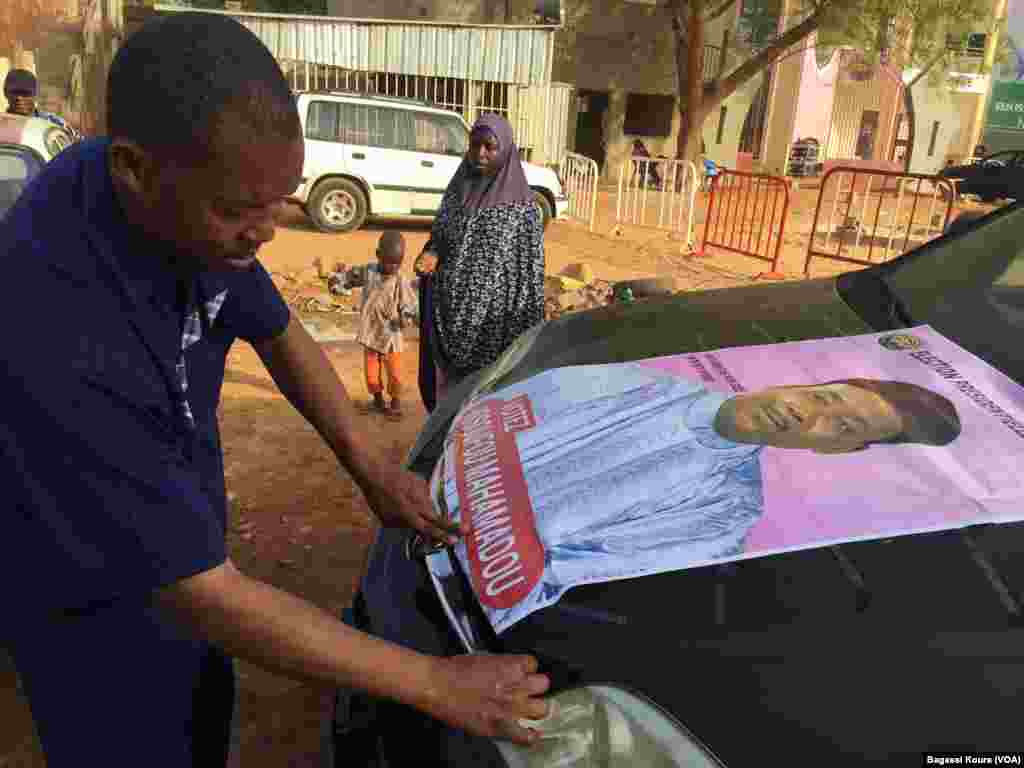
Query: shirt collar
x,y
700,418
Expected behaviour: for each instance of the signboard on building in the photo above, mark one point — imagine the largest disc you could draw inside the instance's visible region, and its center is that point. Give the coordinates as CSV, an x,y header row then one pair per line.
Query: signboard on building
x,y
1006,107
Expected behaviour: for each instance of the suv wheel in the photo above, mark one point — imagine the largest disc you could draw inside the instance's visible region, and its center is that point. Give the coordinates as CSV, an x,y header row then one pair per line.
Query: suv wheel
x,y
544,204
338,205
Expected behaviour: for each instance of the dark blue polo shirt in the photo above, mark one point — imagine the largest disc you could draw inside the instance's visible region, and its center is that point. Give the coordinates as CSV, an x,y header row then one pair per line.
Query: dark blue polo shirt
x,y
108,494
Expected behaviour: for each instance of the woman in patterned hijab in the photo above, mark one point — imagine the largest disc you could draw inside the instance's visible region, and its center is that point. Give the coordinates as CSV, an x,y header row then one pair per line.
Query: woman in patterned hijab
x,y
482,272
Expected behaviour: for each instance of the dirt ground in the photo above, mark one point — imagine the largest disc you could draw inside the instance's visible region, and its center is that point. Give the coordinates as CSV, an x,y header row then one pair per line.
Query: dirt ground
x,y
298,521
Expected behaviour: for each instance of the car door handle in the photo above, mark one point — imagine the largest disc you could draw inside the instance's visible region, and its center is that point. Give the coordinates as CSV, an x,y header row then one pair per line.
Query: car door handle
x,y
427,163
358,156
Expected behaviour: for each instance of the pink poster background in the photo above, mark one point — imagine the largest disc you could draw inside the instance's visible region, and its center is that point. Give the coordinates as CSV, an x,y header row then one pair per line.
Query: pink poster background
x,y
812,500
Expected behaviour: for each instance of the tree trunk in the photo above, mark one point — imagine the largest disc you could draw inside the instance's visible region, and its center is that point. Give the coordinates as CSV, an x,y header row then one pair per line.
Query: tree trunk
x,y
697,100
690,70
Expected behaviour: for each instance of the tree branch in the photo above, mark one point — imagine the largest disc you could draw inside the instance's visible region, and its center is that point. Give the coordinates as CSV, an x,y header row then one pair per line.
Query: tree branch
x,y
794,53
725,88
725,6
924,71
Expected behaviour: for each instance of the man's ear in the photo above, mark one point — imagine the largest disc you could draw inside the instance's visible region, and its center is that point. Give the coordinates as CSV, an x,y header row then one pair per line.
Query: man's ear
x,y
132,167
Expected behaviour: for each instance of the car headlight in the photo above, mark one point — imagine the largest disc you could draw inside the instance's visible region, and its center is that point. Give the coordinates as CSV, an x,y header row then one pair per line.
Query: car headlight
x,y
607,727
56,141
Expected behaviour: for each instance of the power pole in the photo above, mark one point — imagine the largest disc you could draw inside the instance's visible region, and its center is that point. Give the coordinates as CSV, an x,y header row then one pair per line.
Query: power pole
x,y
988,62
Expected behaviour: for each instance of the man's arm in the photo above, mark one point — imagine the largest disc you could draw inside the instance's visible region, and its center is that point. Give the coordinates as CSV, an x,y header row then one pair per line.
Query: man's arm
x,y
483,694
305,376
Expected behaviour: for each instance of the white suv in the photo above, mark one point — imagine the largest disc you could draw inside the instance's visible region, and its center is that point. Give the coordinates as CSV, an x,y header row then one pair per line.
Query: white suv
x,y
387,157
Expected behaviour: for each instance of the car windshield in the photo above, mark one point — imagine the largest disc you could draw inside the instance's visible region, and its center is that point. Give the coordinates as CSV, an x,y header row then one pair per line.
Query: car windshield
x,y
969,286
17,167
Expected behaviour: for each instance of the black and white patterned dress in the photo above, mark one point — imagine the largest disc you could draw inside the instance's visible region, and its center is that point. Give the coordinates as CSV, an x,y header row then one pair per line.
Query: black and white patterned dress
x,y
489,283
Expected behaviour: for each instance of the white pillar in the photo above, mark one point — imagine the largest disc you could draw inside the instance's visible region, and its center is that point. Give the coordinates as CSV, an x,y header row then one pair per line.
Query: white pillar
x,y
27,60
5,67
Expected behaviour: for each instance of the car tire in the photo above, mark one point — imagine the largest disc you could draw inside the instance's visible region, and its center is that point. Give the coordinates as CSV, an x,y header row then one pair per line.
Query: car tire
x,y
338,205
546,211
648,287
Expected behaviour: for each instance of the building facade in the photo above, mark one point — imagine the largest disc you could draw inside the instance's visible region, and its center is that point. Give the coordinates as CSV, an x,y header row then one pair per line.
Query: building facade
x,y
466,66
1004,117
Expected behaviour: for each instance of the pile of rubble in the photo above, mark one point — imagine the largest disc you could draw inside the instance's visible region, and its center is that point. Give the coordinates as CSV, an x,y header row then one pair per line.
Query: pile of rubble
x,y
315,290
573,290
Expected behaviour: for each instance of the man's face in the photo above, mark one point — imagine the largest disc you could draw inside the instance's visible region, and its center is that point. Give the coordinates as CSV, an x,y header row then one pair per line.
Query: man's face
x,y
215,212
21,102
391,258
827,418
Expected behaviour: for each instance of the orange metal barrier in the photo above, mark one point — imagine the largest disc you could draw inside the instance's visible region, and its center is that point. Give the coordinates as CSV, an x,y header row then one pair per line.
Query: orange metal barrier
x,y
747,215
866,216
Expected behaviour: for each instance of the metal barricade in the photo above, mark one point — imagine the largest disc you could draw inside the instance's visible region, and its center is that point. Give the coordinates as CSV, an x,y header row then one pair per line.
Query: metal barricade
x,y
871,216
658,192
747,215
579,175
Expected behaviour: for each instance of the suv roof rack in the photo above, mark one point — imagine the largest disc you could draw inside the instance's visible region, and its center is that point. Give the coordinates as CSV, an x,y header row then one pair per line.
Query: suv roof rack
x,y
373,96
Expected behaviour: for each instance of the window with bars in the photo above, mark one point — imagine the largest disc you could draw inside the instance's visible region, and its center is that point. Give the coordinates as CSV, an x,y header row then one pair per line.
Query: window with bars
x,y
470,98
445,92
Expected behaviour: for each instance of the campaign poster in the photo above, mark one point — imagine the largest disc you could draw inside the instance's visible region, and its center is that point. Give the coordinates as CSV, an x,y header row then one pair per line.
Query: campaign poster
x,y
592,473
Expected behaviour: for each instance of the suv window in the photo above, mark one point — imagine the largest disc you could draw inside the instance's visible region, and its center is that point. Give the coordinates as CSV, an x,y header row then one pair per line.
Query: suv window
x,y
365,125
440,134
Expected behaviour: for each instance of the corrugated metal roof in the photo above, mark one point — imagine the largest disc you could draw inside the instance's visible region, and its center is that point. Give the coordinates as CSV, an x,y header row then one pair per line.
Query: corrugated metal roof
x,y
510,54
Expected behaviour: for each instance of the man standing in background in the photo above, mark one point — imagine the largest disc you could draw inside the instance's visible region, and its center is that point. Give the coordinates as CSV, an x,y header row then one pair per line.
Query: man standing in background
x,y
21,89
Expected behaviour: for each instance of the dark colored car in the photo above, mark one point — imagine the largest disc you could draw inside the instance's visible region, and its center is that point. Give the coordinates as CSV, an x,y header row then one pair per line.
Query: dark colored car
x,y
863,653
998,176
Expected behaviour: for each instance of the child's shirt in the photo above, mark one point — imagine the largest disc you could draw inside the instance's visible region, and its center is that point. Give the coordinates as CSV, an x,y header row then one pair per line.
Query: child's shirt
x,y
389,304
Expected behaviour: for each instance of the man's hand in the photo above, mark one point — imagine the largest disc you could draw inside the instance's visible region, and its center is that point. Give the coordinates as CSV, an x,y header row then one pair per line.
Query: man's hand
x,y
280,632
401,499
488,695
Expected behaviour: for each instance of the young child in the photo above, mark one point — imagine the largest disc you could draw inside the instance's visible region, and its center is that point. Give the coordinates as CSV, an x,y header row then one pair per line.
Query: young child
x,y
389,303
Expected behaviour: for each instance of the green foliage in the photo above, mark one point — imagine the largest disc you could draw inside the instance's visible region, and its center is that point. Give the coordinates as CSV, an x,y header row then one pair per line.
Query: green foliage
x,y
912,34
757,24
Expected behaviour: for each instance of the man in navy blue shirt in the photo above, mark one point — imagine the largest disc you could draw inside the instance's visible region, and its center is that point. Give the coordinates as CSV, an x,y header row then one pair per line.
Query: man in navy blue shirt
x,y
131,269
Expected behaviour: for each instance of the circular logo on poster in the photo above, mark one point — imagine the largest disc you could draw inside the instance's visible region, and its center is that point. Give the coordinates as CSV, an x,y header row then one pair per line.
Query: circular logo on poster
x,y
900,342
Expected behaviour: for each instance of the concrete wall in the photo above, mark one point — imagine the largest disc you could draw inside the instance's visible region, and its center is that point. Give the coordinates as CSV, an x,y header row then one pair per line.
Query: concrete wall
x,y
881,93
961,108
737,107
619,147
934,104
611,45
622,48
817,97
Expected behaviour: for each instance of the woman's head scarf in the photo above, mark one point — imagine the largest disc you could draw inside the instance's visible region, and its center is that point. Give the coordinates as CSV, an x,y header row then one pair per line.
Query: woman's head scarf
x,y
508,183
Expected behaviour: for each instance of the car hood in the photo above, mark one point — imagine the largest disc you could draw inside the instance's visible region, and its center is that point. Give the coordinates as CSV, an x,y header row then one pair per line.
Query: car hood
x,y
765,313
